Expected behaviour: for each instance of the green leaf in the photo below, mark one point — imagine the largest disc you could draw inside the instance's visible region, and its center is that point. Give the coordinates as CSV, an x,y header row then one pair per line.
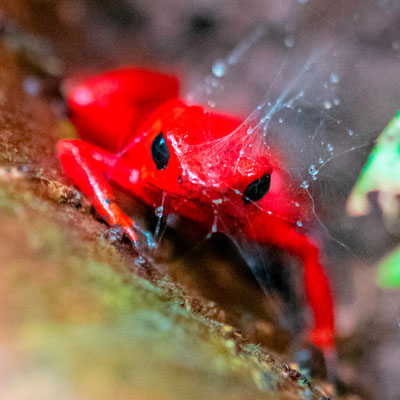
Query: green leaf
x,y
389,270
381,174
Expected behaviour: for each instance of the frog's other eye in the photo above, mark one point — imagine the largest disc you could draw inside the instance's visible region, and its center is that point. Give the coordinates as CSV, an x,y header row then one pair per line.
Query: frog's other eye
x,y
257,189
160,152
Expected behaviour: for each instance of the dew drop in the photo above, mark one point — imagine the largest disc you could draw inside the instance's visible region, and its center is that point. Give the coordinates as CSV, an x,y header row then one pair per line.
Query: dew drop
x,y
211,103
312,170
150,242
320,160
336,102
159,211
299,223
140,260
214,83
350,132
304,185
269,212
219,69
297,204
249,131
327,105
280,120
32,86
329,147
334,78
289,41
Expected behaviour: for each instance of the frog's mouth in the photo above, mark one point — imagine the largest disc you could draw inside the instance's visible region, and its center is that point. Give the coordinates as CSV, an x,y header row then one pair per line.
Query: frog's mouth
x,y
174,196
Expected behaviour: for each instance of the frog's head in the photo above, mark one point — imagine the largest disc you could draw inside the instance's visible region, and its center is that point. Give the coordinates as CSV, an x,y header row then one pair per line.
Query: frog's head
x,y
200,154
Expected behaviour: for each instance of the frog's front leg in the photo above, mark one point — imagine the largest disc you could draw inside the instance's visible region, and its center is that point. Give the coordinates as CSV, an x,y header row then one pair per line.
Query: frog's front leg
x,y
89,168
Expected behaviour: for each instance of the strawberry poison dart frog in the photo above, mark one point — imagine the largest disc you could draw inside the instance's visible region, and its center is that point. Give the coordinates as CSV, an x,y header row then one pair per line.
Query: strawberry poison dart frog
x,y
138,135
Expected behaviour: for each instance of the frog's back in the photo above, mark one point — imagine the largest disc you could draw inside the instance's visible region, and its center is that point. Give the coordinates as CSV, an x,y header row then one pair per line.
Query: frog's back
x,y
107,109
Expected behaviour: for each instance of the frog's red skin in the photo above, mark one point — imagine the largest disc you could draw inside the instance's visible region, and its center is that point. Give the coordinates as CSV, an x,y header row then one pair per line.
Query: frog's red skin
x,y
119,113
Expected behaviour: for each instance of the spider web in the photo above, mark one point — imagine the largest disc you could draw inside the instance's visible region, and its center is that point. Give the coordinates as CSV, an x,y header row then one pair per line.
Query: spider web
x,y
302,106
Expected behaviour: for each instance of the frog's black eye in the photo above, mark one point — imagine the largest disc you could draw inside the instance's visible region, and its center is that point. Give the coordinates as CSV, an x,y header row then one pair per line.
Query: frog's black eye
x,y
257,189
160,152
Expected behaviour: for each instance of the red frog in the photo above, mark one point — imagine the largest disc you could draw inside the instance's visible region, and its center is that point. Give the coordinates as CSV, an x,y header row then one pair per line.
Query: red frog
x,y
137,134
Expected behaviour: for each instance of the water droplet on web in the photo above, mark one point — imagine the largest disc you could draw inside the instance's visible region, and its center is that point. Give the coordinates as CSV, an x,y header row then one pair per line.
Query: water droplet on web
x,y
321,160
259,107
329,147
327,105
299,110
289,41
219,68
150,242
211,103
304,185
249,131
32,85
159,211
336,102
297,204
312,170
299,223
334,78
140,260
269,212
350,132
280,120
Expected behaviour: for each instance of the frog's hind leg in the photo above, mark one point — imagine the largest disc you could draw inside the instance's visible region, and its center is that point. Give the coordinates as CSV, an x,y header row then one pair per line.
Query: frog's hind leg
x,y
107,109
89,168
318,291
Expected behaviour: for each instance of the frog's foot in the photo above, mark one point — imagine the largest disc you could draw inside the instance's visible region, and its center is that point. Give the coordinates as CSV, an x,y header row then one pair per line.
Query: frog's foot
x,y
118,218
